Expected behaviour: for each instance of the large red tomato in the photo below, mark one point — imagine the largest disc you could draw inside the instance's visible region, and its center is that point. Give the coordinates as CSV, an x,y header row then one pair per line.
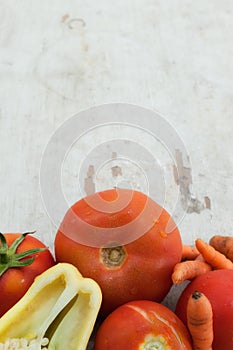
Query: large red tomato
x,y
217,285
21,260
142,325
127,246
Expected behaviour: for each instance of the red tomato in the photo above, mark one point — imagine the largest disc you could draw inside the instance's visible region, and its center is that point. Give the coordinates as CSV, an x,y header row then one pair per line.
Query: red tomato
x,y
217,285
138,269
15,281
142,325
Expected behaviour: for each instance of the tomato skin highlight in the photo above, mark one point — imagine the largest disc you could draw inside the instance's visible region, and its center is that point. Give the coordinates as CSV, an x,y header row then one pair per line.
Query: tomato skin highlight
x,y
146,267
217,285
16,280
141,324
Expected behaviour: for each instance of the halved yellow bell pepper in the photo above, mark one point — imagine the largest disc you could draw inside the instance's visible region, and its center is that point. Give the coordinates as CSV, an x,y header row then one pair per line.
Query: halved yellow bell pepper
x,y
60,305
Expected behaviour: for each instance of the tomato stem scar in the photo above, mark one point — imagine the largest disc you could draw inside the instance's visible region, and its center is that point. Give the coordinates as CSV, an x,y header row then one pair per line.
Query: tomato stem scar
x,y
113,257
157,343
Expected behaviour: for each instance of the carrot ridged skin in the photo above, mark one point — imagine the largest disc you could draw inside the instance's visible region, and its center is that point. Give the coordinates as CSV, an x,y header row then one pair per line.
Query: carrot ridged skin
x,y
200,321
216,259
223,244
189,269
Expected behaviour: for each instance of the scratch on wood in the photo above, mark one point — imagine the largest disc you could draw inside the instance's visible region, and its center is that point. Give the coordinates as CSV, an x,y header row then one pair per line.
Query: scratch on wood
x,y
183,178
207,202
89,185
73,23
64,18
76,23
116,170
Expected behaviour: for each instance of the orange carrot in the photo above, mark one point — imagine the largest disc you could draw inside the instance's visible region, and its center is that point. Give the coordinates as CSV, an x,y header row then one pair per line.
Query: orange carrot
x,y
200,321
199,257
223,244
189,252
212,256
189,269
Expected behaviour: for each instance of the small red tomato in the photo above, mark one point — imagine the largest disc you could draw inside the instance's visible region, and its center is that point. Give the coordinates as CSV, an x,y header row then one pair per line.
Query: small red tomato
x,y
127,246
217,285
143,325
22,258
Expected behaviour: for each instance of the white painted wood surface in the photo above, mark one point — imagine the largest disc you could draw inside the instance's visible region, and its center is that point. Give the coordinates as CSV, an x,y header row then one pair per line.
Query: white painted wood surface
x,y
60,57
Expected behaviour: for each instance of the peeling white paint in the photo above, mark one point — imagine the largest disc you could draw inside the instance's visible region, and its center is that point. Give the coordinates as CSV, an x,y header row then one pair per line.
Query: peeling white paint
x,y
58,58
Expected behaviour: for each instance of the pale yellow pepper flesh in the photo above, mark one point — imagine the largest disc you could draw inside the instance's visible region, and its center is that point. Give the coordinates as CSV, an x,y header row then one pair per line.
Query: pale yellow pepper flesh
x,y
60,305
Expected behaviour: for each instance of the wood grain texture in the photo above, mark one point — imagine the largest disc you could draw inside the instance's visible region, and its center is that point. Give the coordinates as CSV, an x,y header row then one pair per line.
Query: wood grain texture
x,y
58,58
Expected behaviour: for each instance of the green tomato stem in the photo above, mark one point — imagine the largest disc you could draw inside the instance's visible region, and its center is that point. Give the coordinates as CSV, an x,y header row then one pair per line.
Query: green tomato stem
x,y
3,269
3,258
4,247
8,256
15,244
